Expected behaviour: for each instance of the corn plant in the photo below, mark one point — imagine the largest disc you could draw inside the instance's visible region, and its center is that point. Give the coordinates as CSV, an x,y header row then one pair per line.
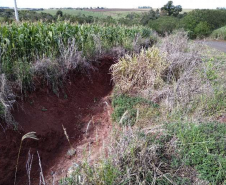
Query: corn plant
x,y
21,45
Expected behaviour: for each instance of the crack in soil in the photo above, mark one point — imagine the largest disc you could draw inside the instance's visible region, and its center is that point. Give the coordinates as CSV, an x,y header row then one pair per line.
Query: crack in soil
x,y
84,99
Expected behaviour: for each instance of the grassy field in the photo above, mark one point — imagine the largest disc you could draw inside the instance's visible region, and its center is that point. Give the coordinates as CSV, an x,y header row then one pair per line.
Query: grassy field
x,y
76,12
102,13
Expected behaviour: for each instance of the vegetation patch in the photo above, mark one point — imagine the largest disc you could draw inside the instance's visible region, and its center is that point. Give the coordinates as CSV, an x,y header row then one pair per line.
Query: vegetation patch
x,y
203,147
219,33
139,71
128,110
134,157
24,45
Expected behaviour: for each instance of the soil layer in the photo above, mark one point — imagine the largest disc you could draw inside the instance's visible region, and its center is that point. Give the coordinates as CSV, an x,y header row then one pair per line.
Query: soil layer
x,y
83,108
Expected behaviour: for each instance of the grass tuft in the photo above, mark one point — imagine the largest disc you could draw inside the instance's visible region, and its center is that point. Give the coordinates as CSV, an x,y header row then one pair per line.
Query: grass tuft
x,y
29,135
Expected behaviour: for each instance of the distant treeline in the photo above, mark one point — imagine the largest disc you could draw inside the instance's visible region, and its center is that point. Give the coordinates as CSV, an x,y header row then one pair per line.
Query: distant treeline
x,y
144,7
198,23
31,9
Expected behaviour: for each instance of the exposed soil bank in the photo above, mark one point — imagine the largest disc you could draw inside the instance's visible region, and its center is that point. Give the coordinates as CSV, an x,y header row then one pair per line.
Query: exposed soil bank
x,y
85,98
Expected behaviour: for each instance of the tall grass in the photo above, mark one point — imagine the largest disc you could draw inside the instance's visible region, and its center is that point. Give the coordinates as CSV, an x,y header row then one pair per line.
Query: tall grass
x,y
219,33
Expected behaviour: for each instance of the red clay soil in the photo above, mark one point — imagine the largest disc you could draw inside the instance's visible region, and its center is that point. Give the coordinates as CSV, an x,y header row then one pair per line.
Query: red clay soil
x,y
85,98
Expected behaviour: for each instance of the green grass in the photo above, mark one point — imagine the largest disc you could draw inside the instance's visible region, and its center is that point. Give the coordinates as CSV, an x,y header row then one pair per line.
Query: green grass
x,y
123,103
203,147
219,33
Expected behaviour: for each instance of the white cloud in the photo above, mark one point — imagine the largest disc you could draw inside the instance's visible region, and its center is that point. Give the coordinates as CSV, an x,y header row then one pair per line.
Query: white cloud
x,y
112,4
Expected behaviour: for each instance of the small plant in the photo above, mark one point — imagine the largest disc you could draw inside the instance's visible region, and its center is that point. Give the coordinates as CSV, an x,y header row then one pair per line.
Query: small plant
x,y
29,135
72,151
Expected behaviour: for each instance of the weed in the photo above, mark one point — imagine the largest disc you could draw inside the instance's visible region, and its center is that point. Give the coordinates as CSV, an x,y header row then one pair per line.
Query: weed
x,y
29,135
140,71
72,151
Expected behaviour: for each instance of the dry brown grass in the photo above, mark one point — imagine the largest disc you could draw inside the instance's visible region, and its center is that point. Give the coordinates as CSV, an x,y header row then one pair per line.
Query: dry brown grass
x,y
172,74
133,157
29,135
139,71
7,99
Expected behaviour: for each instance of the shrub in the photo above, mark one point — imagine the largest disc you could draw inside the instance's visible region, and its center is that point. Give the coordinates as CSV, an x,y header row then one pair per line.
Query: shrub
x,y
59,13
139,71
174,76
219,33
165,24
202,29
210,19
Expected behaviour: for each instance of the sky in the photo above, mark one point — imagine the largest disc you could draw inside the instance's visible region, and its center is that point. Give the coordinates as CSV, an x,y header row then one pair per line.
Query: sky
x,y
211,4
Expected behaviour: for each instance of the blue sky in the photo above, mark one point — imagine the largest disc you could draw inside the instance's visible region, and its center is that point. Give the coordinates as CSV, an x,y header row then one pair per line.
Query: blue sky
x,y
112,4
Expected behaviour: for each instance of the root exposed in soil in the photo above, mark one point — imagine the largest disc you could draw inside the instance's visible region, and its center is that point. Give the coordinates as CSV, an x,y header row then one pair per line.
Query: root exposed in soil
x,y
84,101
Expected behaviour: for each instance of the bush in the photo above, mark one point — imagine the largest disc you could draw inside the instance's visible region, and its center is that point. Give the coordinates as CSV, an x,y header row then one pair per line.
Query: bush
x,y
202,29
139,71
219,33
210,19
164,24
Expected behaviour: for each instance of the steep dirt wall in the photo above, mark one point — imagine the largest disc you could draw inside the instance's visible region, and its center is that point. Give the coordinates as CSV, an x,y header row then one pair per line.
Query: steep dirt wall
x,y
84,98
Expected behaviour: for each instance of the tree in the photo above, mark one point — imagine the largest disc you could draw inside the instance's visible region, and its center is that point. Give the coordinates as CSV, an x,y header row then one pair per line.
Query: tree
x,y
165,24
59,13
151,15
171,9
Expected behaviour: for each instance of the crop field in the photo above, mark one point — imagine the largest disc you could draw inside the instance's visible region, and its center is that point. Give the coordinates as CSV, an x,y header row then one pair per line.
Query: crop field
x,y
76,12
100,13
22,45
103,13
